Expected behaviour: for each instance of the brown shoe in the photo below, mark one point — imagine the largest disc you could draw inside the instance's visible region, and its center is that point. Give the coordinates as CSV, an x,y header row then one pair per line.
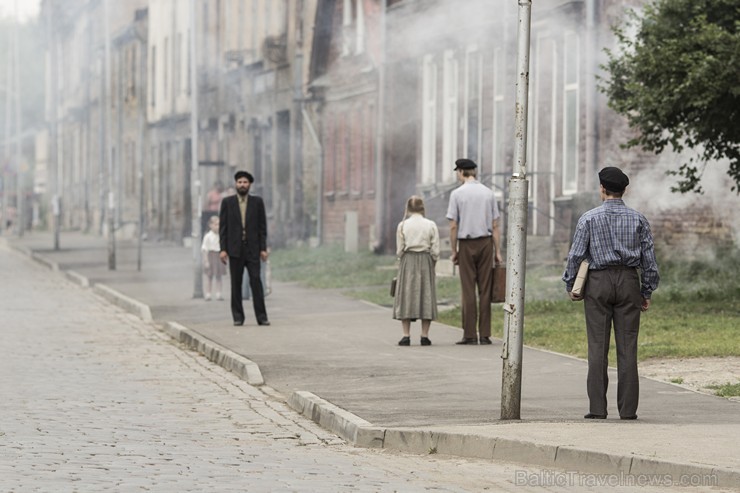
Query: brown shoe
x,y
470,341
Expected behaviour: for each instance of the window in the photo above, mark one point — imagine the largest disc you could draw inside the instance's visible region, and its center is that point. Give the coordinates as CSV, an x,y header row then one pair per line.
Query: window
x,y
570,113
449,111
370,132
429,120
178,69
164,67
330,158
153,82
188,82
355,156
360,28
353,27
133,71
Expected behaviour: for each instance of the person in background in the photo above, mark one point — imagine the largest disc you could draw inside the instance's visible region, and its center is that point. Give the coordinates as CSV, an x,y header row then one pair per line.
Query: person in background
x,y
243,241
475,240
417,247
212,205
616,241
212,267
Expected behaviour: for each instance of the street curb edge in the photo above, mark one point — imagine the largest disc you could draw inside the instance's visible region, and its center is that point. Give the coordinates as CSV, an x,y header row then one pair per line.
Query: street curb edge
x,y
246,369
337,420
361,433
127,303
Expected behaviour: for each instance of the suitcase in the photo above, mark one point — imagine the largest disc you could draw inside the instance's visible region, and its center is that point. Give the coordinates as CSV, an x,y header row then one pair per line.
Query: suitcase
x,y
498,291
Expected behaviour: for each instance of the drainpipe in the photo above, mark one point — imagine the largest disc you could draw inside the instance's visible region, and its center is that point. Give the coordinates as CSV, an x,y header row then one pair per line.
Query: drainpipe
x,y
20,202
299,221
380,189
108,142
194,175
591,110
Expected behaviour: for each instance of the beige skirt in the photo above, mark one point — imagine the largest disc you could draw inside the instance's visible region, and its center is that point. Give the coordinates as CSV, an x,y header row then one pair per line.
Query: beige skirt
x,y
416,292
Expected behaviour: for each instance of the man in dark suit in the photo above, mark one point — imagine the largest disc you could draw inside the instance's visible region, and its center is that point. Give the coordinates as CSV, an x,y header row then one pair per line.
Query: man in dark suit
x,y
243,236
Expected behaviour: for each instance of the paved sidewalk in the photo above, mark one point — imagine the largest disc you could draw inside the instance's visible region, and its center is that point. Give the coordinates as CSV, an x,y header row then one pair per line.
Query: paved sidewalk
x,y
336,360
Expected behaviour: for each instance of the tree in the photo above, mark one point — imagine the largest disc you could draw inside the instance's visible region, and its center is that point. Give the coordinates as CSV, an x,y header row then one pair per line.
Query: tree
x,y
675,76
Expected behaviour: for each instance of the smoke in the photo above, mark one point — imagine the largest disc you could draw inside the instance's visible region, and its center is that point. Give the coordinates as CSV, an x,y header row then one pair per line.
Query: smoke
x,y
698,222
27,9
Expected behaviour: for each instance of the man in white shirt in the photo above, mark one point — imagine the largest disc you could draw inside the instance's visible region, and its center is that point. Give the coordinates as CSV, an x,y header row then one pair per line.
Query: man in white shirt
x,y
475,239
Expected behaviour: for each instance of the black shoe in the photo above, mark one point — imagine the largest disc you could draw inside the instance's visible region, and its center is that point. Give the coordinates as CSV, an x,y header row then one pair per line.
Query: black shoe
x,y
405,341
425,341
470,341
485,340
264,322
595,416
628,417
238,322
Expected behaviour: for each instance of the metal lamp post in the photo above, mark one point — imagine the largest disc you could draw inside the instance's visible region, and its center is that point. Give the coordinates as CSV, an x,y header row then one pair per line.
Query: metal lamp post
x,y
511,378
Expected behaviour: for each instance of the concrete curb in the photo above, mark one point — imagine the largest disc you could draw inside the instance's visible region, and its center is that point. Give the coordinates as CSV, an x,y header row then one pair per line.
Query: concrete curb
x,y
77,278
129,304
246,369
361,433
335,419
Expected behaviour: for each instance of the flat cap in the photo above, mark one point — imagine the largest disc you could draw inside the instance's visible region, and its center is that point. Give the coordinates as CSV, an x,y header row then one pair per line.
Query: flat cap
x,y
465,163
244,174
613,179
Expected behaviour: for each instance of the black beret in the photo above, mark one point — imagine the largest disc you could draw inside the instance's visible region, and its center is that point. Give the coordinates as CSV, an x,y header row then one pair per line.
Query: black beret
x,y
465,163
244,174
613,179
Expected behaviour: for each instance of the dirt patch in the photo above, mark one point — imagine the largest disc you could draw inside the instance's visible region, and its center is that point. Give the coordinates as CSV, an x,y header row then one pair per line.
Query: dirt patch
x,y
694,373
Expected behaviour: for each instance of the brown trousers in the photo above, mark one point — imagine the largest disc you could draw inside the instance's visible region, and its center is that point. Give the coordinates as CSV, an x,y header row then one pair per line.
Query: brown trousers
x,y
613,295
475,262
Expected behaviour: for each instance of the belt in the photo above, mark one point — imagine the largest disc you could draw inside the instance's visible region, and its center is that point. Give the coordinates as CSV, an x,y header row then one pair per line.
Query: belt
x,y
471,239
618,267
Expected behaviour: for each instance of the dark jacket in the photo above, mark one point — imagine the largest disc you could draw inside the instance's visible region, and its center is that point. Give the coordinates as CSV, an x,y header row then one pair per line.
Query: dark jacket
x,y
230,227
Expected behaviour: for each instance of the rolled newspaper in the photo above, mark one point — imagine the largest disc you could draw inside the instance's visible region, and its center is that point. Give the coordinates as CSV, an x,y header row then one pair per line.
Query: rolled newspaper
x,y
581,277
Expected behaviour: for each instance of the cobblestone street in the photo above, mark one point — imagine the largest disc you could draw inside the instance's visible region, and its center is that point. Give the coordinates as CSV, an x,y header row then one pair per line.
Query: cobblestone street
x,y
94,399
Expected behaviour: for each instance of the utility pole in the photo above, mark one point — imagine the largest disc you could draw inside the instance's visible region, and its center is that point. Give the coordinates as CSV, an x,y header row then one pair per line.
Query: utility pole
x,y
380,198
299,222
108,148
194,178
53,160
20,203
6,140
141,120
511,378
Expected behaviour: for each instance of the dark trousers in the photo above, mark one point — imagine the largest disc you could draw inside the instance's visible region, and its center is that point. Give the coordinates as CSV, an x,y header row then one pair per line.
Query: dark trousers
x,y
613,296
236,269
475,262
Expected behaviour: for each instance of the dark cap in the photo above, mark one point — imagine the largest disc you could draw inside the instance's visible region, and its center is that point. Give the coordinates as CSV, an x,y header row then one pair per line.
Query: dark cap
x,y
613,179
244,174
465,163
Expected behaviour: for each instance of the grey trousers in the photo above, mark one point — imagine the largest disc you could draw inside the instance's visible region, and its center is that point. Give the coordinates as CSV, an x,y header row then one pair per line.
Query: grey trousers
x,y
613,296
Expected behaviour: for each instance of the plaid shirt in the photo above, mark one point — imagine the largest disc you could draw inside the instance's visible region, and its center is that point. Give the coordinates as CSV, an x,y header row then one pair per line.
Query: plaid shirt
x,y
614,234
